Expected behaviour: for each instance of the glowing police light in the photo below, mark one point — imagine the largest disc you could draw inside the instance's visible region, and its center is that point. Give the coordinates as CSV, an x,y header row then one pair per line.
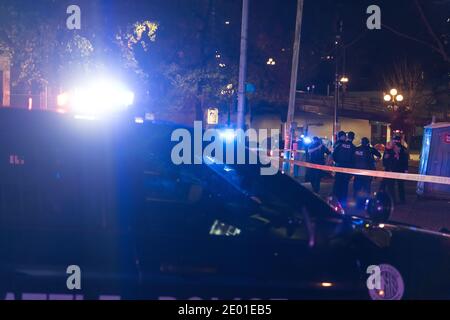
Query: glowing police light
x,y
63,99
100,96
307,140
228,135
84,117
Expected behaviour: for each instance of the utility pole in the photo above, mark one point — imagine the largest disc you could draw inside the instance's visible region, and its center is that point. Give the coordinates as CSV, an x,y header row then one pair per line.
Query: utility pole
x,y
242,66
289,131
337,56
336,103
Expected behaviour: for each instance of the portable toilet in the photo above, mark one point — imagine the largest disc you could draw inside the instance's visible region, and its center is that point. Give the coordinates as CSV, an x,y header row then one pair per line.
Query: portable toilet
x,y
435,160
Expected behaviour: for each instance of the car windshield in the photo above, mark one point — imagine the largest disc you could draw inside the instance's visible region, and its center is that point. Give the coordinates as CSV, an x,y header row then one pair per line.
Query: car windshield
x,y
279,191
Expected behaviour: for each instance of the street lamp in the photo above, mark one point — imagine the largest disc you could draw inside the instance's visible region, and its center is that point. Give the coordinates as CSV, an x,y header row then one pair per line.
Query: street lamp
x,y
392,98
271,62
344,79
229,91
339,81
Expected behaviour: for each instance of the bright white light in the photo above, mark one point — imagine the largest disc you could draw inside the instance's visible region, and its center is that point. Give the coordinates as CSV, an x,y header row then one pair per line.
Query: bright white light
x,y
326,284
394,92
127,98
399,98
139,120
63,99
271,62
85,117
228,134
387,98
307,140
100,96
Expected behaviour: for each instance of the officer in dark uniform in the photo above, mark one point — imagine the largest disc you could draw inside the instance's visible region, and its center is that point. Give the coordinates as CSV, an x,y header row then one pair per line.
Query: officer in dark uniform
x,y
343,156
350,136
364,159
396,159
315,153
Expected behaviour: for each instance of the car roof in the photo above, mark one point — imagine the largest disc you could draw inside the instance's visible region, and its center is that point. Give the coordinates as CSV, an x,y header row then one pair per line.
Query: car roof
x,y
24,116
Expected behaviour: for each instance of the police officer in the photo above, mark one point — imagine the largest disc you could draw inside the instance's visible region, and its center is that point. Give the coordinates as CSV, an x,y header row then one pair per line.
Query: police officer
x,y
343,156
315,154
387,185
396,159
365,160
350,136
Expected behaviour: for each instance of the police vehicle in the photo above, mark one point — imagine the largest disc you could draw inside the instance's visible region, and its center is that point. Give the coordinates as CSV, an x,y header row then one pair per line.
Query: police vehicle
x,y
97,209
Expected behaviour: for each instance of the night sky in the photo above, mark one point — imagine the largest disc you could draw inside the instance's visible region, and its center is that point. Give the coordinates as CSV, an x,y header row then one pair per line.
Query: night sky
x,y
367,59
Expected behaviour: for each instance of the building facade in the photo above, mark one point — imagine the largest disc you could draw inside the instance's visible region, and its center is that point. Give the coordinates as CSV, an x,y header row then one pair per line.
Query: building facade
x,y
314,115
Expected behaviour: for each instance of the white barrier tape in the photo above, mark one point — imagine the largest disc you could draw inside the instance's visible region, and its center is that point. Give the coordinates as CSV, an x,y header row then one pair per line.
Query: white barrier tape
x,y
374,173
367,173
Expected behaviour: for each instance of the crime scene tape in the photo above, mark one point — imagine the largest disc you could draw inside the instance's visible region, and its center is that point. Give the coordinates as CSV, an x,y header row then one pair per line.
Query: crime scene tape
x,y
374,173
368,173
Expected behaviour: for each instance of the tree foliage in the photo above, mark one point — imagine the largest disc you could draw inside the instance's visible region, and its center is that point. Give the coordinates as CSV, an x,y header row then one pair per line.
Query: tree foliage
x,y
44,52
137,35
40,49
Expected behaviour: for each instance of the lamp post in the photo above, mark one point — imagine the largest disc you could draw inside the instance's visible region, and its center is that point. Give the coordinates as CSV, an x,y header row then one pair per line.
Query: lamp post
x,y
243,66
343,80
229,92
290,124
393,98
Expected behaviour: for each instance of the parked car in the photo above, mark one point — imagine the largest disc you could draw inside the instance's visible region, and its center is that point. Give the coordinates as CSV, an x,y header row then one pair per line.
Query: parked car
x,y
107,198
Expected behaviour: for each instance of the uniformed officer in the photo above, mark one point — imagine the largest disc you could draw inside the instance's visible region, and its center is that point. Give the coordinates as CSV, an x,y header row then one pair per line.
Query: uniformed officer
x,y
364,159
343,156
315,154
350,136
395,159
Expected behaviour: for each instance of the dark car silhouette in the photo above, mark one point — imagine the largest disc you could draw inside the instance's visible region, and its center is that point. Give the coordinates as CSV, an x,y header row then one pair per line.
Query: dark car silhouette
x,y
106,197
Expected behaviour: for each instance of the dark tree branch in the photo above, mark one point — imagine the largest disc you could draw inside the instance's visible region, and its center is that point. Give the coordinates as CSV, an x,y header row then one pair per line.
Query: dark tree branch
x,y
438,48
403,35
441,48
